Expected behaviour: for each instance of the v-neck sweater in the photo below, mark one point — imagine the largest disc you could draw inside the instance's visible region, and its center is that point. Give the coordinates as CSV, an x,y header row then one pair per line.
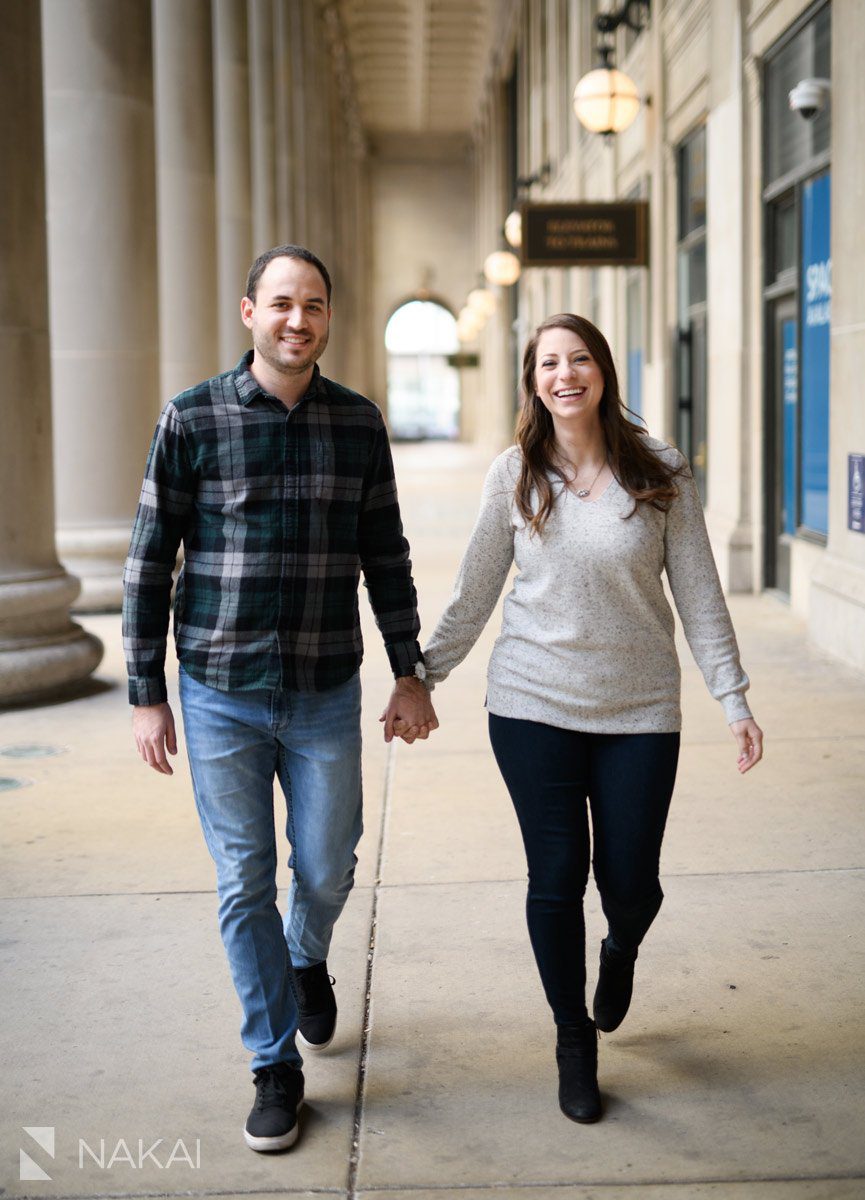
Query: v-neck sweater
x,y
588,635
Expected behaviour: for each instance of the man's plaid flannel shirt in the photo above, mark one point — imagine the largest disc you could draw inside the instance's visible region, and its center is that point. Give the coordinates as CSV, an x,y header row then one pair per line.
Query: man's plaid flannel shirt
x,y
278,511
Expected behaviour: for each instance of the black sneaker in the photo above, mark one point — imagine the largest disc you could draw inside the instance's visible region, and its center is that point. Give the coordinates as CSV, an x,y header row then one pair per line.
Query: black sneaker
x,y
316,1006
272,1123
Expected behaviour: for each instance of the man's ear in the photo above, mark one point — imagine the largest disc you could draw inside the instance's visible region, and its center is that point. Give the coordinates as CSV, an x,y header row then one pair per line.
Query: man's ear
x,y
246,308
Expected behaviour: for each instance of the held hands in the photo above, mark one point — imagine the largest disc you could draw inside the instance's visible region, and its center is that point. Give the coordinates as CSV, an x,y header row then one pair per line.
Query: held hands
x,y
410,713
153,730
749,735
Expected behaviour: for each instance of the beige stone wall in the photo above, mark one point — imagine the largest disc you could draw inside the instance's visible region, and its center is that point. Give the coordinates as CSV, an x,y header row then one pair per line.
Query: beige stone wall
x,y
422,219
836,599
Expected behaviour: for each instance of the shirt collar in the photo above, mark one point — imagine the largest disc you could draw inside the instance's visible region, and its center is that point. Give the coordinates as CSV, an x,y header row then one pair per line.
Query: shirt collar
x,y
249,389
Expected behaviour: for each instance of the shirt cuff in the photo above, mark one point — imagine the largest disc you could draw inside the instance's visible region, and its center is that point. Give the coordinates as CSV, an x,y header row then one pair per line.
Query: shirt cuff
x,y
403,657
147,689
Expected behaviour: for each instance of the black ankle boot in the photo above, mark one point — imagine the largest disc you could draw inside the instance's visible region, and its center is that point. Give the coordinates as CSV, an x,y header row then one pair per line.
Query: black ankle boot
x,y
577,1060
615,986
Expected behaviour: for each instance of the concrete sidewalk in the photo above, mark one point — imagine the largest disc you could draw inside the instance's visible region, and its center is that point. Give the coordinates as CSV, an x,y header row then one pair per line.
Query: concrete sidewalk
x,y
739,1072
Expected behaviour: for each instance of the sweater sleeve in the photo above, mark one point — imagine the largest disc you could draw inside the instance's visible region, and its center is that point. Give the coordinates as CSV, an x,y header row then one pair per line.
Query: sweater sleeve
x,y
700,600
480,579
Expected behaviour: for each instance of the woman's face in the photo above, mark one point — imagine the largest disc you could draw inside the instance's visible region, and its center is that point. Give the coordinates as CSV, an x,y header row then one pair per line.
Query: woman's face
x,y
567,379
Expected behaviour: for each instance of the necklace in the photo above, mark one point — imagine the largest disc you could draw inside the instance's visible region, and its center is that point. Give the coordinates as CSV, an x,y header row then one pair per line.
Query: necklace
x,y
583,492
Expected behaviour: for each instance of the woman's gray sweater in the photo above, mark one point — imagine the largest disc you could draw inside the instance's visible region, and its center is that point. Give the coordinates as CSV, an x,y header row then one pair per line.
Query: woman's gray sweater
x,y
587,638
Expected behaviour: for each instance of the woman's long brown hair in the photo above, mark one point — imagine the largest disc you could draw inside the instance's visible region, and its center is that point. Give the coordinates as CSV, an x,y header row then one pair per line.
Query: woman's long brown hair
x,y
638,470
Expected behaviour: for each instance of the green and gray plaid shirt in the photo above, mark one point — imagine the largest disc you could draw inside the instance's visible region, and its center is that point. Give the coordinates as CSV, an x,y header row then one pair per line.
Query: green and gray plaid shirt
x,y
278,511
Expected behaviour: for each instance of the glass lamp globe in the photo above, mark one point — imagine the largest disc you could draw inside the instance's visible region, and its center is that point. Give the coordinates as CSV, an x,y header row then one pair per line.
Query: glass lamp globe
x,y
467,331
469,324
606,100
514,229
482,301
502,267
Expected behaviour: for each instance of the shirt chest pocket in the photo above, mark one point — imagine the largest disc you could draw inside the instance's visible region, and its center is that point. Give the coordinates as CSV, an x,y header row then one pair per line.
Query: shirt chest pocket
x,y
336,473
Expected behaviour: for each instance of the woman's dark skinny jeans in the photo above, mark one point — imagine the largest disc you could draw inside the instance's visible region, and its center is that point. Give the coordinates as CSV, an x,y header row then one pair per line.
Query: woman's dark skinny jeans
x,y
628,780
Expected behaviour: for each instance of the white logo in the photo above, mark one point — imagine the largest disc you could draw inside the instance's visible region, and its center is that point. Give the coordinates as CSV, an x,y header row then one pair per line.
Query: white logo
x,y
137,1155
121,1154
43,1135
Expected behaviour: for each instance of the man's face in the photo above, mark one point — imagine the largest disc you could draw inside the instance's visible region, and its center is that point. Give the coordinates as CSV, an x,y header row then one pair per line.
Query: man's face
x,y
290,317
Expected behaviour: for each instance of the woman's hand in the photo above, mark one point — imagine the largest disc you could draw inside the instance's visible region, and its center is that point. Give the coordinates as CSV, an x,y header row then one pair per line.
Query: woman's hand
x,y
410,713
749,735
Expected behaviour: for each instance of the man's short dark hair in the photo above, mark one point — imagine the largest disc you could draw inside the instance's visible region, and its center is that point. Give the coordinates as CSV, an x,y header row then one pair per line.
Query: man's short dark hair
x,y
287,251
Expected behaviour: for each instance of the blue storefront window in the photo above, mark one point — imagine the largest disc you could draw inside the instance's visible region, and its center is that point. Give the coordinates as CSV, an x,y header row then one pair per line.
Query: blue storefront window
x,y
814,376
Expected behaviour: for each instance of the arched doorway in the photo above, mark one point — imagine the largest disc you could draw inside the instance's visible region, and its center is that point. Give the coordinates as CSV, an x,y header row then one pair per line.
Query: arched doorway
x,y
423,389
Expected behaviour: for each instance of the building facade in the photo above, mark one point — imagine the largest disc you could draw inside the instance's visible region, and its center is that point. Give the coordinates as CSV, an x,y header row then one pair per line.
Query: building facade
x,y
737,342
153,148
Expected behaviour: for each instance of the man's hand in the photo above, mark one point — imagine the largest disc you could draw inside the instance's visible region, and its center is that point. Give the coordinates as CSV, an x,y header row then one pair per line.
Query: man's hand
x,y
749,735
410,713
153,730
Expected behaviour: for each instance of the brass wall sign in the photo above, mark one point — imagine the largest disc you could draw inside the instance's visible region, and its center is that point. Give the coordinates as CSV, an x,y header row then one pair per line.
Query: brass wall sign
x,y
593,234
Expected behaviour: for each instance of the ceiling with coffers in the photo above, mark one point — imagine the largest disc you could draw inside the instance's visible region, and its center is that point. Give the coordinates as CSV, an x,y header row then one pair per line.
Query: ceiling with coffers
x,y
418,65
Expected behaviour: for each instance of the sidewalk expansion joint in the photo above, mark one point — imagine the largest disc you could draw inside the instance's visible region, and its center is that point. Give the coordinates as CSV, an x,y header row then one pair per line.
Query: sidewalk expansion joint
x,y
187,1193
360,1092
616,1185
436,883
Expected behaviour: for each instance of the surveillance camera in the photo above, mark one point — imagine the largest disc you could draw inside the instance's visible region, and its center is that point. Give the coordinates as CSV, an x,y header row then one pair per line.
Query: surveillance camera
x,y
809,96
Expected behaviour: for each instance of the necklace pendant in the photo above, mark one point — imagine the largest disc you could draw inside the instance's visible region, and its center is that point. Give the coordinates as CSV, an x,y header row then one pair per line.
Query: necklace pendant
x,y
583,492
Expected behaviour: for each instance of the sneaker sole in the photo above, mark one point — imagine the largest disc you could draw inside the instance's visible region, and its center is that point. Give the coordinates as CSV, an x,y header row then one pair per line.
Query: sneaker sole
x,y
315,1047
269,1145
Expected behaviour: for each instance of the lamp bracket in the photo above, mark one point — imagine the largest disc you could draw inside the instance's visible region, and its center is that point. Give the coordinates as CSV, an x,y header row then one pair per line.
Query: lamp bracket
x,y
609,22
541,176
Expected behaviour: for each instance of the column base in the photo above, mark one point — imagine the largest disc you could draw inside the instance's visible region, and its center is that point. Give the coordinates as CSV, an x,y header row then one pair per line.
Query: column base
x,y
42,652
96,557
733,547
837,609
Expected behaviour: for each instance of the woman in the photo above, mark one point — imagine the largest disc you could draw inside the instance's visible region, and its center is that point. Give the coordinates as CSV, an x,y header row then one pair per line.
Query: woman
x,y
584,681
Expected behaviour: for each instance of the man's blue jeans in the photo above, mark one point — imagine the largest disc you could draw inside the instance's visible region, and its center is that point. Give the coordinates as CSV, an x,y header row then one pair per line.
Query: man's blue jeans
x,y
237,743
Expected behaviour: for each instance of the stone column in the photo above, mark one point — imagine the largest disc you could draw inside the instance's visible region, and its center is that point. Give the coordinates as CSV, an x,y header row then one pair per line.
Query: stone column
x,y
837,608
186,193
728,435
302,82
283,123
103,277
233,193
262,55
40,648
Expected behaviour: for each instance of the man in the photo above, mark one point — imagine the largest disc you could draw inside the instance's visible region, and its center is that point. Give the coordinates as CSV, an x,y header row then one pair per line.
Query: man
x,y
279,483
